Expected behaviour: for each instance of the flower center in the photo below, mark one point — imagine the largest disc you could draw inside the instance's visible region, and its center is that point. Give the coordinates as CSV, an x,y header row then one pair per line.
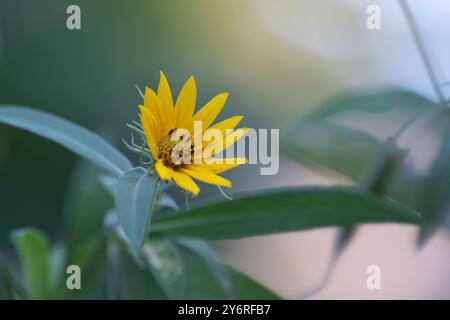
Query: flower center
x,y
166,147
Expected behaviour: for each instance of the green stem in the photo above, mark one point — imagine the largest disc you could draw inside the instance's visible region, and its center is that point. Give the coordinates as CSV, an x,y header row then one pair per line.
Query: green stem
x,y
186,201
422,50
112,271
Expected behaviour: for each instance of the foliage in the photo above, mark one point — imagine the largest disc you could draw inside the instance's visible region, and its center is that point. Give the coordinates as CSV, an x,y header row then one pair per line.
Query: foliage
x,y
128,225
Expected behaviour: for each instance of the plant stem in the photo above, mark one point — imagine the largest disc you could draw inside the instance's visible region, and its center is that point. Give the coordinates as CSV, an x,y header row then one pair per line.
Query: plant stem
x,y
112,271
422,50
186,201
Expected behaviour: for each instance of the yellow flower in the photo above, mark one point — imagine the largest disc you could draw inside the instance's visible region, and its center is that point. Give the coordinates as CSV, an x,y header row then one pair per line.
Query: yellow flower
x,y
161,119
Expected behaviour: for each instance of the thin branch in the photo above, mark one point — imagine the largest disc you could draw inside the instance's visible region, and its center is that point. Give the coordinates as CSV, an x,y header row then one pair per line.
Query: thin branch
x,y
422,50
186,201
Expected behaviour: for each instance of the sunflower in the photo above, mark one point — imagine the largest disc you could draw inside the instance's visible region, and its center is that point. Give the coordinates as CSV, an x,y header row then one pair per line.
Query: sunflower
x,y
161,119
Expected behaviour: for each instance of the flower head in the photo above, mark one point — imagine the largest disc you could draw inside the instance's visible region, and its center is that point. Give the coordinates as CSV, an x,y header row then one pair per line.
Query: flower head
x,y
185,144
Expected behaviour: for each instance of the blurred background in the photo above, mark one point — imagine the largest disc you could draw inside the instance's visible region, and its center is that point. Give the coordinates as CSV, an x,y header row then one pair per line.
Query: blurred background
x,y
281,61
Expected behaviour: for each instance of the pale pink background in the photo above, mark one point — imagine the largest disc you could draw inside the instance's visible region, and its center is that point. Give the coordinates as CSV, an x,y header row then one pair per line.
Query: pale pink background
x,y
292,264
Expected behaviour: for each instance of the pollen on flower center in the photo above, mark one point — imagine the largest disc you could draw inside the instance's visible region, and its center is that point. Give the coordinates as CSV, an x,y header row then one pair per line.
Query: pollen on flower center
x,y
165,148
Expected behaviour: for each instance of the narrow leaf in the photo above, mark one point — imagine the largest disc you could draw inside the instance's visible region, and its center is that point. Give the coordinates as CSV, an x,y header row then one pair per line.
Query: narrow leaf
x,y
321,139
373,102
10,285
324,145
212,260
70,135
436,194
166,265
134,195
246,287
202,284
33,248
165,201
285,210
86,202
58,265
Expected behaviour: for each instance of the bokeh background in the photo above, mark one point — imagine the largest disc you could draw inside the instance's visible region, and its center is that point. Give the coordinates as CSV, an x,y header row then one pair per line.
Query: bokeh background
x,y
279,60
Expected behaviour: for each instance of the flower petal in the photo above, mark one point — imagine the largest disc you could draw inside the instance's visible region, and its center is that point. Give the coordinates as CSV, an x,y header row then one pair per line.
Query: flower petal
x,y
153,104
222,126
216,147
185,105
185,182
208,177
209,112
165,97
229,123
218,166
148,124
164,93
165,173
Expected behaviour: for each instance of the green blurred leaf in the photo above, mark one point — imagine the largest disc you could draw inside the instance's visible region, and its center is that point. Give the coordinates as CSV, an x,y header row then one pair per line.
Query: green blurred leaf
x,y
326,145
10,286
201,283
108,182
72,136
163,200
113,272
85,205
187,275
90,256
436,192
373,102
317,141
139,283
438,195
247,288
58,264
433,185
33,248
283,210
166,265
212,261
376,183
134,195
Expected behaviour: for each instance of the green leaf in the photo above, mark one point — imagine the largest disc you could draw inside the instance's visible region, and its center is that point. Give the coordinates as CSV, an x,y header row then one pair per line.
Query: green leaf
x,y
72,136
108,183
135,193
139,283
182,272
86,202
283,210
33,248
433,186
90,255
373,102
10,286
163,200
436,192
58,264
247,288
113,272
202,284
319,141
324,145
212,261
166,265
